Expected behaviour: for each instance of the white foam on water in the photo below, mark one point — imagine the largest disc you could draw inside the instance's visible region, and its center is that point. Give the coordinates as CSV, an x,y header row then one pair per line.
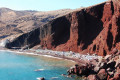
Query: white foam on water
x,y
39,69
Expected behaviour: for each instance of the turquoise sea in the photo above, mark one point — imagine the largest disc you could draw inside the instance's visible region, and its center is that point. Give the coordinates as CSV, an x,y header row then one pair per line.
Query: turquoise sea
x,y
21,67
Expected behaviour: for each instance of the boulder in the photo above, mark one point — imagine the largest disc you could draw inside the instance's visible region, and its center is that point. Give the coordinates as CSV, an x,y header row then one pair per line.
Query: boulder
x,y
96,69
41,78
71,71
76,70
108,69
108,78
83,70
116,76
117,63
118,53
102,74
92,77
111,79
99,66
114,51
108,57
111,74
63,74
118,70
116,58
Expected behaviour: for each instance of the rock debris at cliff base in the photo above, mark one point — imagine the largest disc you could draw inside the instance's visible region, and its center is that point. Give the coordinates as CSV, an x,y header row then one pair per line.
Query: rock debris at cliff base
x,y
103,68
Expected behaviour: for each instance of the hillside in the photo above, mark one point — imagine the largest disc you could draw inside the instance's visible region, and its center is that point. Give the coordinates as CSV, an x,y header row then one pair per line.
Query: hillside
x,y
14,22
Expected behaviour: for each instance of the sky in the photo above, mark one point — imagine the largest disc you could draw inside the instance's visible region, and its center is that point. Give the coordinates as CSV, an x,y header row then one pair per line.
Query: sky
x,y
47,5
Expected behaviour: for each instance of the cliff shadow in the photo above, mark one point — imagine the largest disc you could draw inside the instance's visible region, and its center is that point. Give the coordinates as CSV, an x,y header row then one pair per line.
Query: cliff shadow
x,y
91,28
60,30
26,40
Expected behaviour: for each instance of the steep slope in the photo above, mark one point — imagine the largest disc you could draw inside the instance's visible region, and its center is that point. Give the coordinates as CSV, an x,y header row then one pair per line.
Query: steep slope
x,y
95,29
17,22
29,22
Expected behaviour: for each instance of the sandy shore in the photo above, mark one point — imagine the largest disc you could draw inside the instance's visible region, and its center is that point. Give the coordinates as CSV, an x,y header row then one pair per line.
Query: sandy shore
x,y
71,56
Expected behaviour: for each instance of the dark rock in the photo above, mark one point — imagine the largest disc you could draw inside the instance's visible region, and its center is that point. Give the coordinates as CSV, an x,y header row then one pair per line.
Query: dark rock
x,y
103,65
111,74
103,70
111,64
42,78
81,70
76,70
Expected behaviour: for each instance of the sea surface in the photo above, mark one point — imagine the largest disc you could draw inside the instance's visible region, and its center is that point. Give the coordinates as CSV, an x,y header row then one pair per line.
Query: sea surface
x,y
22,67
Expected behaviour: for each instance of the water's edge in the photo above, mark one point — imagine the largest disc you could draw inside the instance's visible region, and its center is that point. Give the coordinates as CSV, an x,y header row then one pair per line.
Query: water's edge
x,y
17,65
33,54
70,56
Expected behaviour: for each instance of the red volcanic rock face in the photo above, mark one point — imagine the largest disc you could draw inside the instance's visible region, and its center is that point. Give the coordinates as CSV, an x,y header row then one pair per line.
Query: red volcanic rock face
x,y
97,29
109,36
94,29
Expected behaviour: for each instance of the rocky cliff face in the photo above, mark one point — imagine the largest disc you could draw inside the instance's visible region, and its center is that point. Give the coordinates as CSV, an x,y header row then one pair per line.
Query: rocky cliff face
x,y
95,29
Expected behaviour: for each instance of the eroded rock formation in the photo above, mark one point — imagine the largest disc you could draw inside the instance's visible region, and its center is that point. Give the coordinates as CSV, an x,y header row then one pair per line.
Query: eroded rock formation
x,y
95,29
103,68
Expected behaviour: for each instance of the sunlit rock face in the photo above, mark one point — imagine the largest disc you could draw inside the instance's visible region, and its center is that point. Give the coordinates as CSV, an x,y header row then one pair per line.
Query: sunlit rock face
x,y
4,43
95,29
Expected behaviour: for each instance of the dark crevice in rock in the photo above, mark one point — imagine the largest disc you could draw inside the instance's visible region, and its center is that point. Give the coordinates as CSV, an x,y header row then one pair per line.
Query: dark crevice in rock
x,y
109,40
112,7
94,47
104,53
118,30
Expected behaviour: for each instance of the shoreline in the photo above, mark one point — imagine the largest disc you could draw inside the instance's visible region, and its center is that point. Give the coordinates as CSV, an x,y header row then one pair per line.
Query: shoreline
x,y
33,54
70,56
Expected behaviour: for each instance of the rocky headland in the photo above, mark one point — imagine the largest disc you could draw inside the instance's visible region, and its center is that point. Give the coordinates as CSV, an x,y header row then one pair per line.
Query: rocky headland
x,y
93,30
89,30
102,68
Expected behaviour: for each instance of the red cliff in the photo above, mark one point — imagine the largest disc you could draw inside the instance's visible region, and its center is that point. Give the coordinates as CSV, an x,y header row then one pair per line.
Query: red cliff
x,y
95,29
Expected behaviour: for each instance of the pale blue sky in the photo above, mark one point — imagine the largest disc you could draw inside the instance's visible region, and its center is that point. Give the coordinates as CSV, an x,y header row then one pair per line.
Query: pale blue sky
x,y
47,5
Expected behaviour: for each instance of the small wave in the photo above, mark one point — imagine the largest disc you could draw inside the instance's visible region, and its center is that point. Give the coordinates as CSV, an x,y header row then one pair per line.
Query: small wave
x,y
39,69
54,78
51,56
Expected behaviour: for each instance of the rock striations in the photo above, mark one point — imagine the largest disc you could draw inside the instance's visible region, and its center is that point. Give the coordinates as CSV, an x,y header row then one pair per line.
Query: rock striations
x,y
95,29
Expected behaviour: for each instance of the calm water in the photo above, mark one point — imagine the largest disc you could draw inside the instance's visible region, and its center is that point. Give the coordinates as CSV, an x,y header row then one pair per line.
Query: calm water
x,y
21,67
